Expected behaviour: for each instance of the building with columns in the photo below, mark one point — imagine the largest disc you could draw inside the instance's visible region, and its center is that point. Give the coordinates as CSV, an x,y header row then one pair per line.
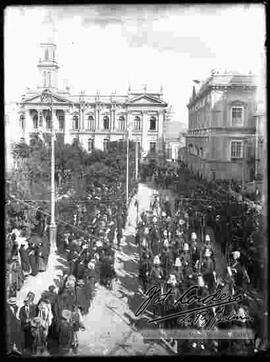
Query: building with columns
x,y
220,142
92,119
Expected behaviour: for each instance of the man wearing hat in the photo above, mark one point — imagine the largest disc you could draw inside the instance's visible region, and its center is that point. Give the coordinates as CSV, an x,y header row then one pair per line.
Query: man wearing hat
x,y
156,275
178,271
26,314
208,269
185,256
170,307
166,259
33,258
239,273
13,305
13,332
65,336
195,252
83,299
145,268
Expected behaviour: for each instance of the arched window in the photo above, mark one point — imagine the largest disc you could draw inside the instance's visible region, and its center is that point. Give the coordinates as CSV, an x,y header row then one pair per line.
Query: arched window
x,y
21,121
61,119
40,123
190,148
137,123
91,123
121,123
106,123
75,122
105,145
153,123
46,54
35,120
90,145
48,120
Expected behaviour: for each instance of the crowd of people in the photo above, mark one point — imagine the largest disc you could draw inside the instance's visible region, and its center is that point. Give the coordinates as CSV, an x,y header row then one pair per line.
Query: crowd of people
x,y
177,248
50,324
235,223
177,251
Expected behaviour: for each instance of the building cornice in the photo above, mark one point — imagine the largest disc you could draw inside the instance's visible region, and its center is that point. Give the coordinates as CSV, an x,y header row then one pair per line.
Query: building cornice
x,y
224,82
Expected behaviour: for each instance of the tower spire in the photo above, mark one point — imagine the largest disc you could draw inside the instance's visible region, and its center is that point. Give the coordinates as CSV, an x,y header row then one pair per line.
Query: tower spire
x,y
47,65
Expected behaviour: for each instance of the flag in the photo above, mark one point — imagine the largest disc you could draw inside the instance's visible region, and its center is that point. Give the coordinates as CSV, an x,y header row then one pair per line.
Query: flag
x,y
196,81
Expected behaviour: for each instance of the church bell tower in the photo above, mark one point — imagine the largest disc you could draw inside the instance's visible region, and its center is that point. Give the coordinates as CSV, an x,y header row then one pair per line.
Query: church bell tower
x,y
47,65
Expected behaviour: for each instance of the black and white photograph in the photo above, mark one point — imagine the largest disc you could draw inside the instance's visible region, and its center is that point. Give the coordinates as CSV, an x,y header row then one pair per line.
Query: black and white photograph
x,y
135,180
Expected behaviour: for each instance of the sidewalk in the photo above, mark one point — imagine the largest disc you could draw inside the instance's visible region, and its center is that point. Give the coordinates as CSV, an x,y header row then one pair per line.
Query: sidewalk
x,y
37,284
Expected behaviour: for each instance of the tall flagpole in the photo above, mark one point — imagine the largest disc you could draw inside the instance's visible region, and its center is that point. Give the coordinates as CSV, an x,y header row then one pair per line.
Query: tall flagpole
x,y
136,161
47,96
53,224
127,172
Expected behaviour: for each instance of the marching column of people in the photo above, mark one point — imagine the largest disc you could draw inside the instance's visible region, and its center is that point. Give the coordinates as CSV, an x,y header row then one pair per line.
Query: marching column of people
x,y
51,323
177,253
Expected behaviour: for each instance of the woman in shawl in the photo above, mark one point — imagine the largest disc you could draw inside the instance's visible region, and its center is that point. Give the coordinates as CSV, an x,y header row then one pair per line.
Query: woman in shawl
x,y
82,299
26,267
41,259
16,274
32,255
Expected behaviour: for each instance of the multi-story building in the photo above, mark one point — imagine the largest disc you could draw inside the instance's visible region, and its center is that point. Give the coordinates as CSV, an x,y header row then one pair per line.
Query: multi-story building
x,y
92,119
173,145
220,142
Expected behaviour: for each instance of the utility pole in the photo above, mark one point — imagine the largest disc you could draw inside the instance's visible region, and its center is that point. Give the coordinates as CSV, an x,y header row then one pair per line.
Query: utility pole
x,y
127,172
47,96
136,160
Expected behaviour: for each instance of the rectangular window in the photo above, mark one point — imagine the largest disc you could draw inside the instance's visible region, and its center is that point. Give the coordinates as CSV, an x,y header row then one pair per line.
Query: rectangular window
x,y
152,147
237,116
105,145
236,149
90,145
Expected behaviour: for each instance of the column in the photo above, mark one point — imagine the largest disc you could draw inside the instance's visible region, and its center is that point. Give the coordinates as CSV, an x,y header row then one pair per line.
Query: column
x,y
110,119
160,119
55,123
97,116
161,116
144,132
113,113
28,125
128,122
67,126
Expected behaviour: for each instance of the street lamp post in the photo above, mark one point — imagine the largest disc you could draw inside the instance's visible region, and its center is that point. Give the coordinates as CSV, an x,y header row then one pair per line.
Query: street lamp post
x,y
244,164
47,96
136,160
127,172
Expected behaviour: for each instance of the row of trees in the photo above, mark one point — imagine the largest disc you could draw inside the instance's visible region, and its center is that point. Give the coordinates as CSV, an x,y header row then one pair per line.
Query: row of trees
x,y
76,172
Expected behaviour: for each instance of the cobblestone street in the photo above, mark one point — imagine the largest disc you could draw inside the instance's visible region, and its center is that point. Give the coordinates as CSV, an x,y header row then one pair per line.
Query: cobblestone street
x,y
111,326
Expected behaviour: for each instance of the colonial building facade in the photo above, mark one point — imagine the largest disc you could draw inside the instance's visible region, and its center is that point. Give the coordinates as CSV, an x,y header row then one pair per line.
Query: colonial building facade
x,y
220,142
92,119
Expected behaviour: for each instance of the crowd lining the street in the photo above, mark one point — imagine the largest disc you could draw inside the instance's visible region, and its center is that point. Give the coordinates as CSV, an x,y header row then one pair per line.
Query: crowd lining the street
x,y
50,325
177,251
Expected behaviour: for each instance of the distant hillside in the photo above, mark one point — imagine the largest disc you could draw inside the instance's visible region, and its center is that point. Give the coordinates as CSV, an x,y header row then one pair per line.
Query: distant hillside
x,y
173,128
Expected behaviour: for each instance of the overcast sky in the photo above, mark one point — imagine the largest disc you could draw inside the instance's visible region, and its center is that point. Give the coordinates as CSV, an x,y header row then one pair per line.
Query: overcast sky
x,y
108,47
